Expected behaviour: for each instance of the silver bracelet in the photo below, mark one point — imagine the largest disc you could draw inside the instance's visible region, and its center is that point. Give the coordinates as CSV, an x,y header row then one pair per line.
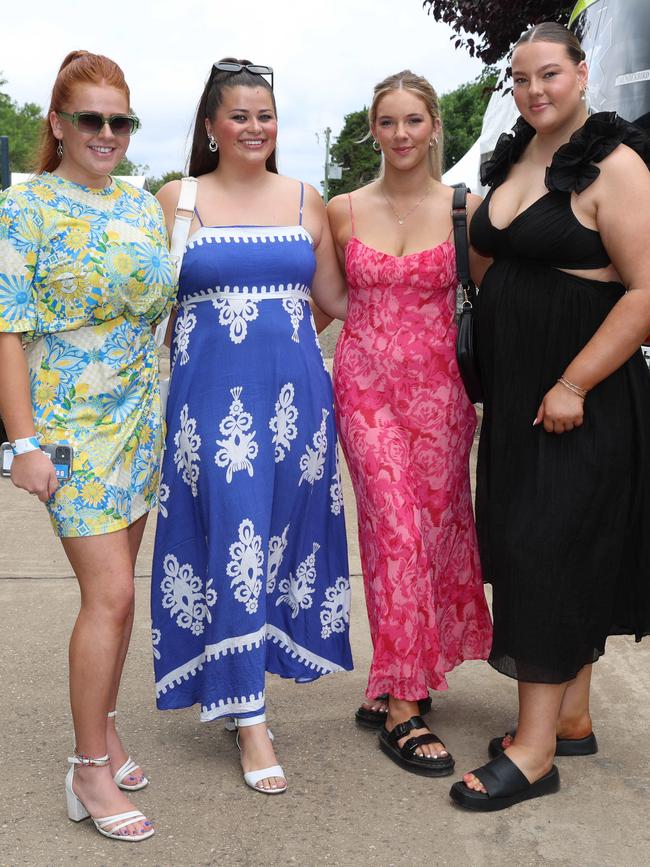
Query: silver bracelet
x,y
576,389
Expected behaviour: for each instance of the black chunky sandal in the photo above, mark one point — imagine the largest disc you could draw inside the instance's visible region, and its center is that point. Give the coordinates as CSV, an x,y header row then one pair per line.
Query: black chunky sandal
x,y
587,746
505,785
375,719
406,756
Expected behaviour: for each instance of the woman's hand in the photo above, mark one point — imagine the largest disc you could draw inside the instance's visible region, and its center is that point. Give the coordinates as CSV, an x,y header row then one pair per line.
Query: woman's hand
x,y
561,410
34,472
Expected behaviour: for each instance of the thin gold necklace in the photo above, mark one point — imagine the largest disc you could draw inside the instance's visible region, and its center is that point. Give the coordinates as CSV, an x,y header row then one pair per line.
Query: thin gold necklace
x,y
400,219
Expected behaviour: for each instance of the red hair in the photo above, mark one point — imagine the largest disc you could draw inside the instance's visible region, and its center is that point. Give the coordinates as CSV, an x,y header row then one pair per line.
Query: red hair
x,y
78,67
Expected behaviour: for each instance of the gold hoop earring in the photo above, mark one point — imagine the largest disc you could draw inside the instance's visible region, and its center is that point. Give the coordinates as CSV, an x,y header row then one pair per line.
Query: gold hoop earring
x,y
375,145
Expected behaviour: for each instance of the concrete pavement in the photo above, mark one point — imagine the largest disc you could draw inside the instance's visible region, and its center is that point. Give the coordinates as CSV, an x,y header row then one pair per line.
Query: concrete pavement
x,y
347,805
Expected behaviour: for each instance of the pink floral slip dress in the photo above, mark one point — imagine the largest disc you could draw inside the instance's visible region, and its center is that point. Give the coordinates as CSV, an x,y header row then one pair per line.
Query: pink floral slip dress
x,y
406,427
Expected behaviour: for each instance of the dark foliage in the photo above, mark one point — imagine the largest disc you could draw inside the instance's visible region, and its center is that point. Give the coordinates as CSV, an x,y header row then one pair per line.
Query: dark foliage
x,y
493,25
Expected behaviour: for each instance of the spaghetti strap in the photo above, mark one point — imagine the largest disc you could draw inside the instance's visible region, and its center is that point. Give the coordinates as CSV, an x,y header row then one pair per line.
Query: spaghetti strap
x,y
198,216
354,232
302,202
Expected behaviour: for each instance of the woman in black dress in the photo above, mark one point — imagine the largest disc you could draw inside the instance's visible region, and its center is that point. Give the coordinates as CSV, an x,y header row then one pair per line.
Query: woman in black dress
x,y
563,498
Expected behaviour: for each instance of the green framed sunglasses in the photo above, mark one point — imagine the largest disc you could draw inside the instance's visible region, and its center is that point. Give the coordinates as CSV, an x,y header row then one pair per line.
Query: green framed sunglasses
x,y
92,122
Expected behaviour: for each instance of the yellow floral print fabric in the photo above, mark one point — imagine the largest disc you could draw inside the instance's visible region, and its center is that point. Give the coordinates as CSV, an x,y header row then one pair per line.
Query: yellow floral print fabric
x,y
84,275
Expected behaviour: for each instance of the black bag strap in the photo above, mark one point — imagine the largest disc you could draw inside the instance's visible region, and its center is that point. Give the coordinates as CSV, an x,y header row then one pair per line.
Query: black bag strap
x,y
459,221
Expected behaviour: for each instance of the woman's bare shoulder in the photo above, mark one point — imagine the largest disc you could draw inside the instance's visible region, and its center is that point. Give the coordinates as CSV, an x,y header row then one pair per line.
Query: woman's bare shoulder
x,y
168,194
338,205
361,196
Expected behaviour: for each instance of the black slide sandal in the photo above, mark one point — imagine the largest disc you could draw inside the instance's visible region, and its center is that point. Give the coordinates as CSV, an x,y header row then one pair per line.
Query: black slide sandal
x,y
375,719
587,746
406,756
506,786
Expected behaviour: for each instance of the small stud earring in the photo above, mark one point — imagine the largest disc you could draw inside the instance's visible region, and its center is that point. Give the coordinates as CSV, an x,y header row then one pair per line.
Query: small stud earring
x,y
213,144
59,150
375,145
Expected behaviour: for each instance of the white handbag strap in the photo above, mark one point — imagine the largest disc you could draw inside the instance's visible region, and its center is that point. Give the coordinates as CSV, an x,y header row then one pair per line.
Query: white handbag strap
x,y
183,216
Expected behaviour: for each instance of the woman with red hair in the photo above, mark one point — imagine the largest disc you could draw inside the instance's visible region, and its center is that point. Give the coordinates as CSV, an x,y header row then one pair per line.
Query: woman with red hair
x,y
84,274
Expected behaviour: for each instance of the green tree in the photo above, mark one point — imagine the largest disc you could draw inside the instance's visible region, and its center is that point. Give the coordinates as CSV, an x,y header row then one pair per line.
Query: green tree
x,y
462,112
22,123
154,184
360,162
126,167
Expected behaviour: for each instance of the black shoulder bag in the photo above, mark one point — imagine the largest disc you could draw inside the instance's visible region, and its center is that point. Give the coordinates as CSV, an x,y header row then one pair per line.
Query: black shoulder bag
x,y
466,341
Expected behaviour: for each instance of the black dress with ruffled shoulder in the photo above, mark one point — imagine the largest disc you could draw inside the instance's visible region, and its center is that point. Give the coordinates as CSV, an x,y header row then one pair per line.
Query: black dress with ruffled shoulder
x,y
563,520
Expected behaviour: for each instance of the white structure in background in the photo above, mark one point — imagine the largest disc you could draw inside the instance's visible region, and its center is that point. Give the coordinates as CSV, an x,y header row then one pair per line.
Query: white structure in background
x,y
466,170
500,116
137,180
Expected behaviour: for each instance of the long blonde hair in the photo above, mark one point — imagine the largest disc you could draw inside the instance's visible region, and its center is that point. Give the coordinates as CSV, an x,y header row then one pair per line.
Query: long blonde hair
x,y
417,84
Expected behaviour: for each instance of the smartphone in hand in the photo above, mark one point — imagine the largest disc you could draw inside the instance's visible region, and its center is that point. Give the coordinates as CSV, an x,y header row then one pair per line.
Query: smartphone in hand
x,y
60,455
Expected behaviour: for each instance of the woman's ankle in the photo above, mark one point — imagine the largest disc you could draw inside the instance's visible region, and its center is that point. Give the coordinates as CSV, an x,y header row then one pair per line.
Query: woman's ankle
x,y
575,727
400,710
248,734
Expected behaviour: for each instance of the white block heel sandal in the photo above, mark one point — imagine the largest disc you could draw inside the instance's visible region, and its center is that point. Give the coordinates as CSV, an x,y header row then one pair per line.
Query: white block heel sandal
x,y
127,770
108,826
252,778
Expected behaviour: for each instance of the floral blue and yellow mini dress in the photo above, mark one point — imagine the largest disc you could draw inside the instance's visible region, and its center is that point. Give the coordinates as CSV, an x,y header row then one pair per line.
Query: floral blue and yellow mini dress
x,y
84,275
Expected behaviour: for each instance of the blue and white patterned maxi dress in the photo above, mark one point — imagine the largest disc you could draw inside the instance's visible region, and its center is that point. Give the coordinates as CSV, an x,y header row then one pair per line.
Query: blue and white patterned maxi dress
x,y
250,570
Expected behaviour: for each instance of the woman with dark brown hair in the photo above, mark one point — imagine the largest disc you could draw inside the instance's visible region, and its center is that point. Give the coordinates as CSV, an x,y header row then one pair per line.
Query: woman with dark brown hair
x,y
563,498
84,274
250,570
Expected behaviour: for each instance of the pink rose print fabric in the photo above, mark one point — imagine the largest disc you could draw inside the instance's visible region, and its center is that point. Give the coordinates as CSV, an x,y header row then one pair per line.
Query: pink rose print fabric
x,y
406,426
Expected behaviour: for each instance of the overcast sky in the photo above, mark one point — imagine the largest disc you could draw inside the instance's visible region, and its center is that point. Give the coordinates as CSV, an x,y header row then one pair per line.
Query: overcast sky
x,y
326,56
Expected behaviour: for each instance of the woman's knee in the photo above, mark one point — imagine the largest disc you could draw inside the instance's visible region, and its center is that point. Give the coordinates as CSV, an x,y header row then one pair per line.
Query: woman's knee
x,y
114,601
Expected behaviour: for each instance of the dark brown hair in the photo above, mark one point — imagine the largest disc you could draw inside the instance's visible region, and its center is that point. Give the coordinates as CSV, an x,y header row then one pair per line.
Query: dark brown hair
x,y
551,31
78,67
202,160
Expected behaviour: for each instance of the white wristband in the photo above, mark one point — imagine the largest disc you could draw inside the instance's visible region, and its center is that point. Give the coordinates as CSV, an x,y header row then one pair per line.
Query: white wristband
x,y
24,445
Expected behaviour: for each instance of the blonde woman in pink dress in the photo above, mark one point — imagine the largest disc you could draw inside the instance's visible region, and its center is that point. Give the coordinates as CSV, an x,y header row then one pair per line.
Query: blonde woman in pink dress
x,y
407,426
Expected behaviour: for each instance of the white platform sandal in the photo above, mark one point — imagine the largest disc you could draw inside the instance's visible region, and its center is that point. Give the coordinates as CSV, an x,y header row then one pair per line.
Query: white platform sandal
x,y
127,770
252,778
108,826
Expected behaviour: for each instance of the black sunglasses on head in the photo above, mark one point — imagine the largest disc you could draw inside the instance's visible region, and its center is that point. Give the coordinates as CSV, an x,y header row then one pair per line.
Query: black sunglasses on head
x,y
92,122
227,66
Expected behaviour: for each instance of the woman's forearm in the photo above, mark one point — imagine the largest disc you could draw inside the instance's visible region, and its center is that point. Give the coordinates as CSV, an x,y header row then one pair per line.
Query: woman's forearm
x,y
321,319
616,340
15,397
